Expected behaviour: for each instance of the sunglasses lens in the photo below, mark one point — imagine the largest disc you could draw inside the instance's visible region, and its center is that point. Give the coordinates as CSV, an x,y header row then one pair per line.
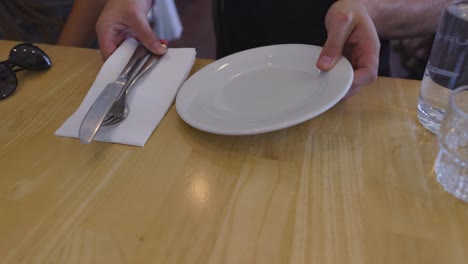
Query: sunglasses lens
x,y
30,57
8,81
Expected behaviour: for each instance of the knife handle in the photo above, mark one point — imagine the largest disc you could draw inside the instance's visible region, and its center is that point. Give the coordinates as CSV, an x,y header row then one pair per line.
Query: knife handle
x,y
139,53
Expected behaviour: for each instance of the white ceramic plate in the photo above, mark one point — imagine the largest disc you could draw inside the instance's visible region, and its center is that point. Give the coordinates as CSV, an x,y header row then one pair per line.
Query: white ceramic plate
x,y
261,90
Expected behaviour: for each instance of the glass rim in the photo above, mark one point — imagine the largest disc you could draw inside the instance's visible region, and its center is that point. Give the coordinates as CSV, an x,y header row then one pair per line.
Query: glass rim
x,y
455,106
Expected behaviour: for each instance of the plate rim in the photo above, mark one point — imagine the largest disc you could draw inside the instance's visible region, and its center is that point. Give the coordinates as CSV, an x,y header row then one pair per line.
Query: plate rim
x,y
253,131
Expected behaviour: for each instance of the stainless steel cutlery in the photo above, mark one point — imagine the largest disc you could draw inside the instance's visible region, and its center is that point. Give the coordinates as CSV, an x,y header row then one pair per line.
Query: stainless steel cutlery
x,y
105,101
120,109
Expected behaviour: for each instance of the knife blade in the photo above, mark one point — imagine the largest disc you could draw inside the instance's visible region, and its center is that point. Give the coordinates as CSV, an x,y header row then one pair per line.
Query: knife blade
x,y
98,110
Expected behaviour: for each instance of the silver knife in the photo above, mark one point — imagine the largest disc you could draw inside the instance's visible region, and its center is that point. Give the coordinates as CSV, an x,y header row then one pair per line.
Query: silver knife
x,y
95,115
120,109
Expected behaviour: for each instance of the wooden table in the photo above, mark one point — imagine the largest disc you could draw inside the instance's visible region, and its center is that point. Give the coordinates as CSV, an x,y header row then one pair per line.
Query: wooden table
x,y
354,185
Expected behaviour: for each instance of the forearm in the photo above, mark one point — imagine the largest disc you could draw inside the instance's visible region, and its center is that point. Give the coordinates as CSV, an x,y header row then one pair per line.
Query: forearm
x,y
405,18
79,29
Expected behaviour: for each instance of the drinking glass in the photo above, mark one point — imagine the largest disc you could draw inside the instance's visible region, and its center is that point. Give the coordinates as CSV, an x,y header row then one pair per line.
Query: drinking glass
x,y
451,165
447,67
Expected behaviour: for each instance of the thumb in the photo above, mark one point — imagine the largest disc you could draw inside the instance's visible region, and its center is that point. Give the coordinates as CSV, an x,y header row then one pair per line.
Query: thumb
x,y
147,37
339,27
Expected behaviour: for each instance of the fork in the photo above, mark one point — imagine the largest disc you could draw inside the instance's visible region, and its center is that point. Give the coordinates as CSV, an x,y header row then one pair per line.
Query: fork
x,y
120,109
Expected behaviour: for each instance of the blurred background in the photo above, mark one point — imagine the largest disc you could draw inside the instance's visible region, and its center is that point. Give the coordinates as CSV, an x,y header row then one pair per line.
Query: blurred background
x,y
196,17
41,21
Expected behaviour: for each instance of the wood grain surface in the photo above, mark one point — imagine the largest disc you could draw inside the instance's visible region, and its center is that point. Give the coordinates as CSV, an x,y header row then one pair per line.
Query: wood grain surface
x,y
353,185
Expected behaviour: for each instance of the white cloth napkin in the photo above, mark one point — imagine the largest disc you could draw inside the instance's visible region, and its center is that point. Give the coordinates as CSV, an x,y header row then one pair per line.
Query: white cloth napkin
x,y
148,101
165,20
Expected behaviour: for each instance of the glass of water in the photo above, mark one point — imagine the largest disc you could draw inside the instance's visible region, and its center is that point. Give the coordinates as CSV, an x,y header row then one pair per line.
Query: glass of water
x,y
447,67
451,165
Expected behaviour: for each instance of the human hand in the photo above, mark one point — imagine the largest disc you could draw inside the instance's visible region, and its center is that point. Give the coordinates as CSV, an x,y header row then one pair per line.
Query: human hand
x,y
351,33
121,19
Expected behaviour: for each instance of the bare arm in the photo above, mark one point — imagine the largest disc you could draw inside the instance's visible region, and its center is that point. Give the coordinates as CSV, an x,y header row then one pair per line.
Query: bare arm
x,y
404,18
79,29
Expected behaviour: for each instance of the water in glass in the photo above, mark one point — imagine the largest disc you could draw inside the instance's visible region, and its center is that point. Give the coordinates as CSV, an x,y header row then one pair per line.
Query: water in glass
x,y
451,165
447,67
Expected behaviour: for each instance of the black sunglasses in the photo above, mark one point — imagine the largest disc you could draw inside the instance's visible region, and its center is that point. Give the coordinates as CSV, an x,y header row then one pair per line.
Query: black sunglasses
x,y
22,56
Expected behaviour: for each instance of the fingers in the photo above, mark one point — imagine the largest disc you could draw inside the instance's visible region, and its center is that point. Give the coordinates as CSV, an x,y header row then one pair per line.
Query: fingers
x,y
363,76
108,42
146,35
107,48
339,25
352,33
123,19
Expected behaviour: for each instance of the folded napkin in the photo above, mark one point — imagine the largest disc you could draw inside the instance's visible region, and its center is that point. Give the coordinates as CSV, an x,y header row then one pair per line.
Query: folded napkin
x,y
148,100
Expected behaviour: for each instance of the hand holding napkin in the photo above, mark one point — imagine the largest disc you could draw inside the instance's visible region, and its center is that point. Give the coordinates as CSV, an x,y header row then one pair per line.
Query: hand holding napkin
x,y
148,100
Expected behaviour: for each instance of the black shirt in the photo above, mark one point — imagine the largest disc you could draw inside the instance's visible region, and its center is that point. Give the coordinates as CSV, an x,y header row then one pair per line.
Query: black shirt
x,y
245,24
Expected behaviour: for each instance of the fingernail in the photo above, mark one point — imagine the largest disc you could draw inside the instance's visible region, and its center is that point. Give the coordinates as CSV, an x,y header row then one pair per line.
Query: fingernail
x,y
159,48
325,61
